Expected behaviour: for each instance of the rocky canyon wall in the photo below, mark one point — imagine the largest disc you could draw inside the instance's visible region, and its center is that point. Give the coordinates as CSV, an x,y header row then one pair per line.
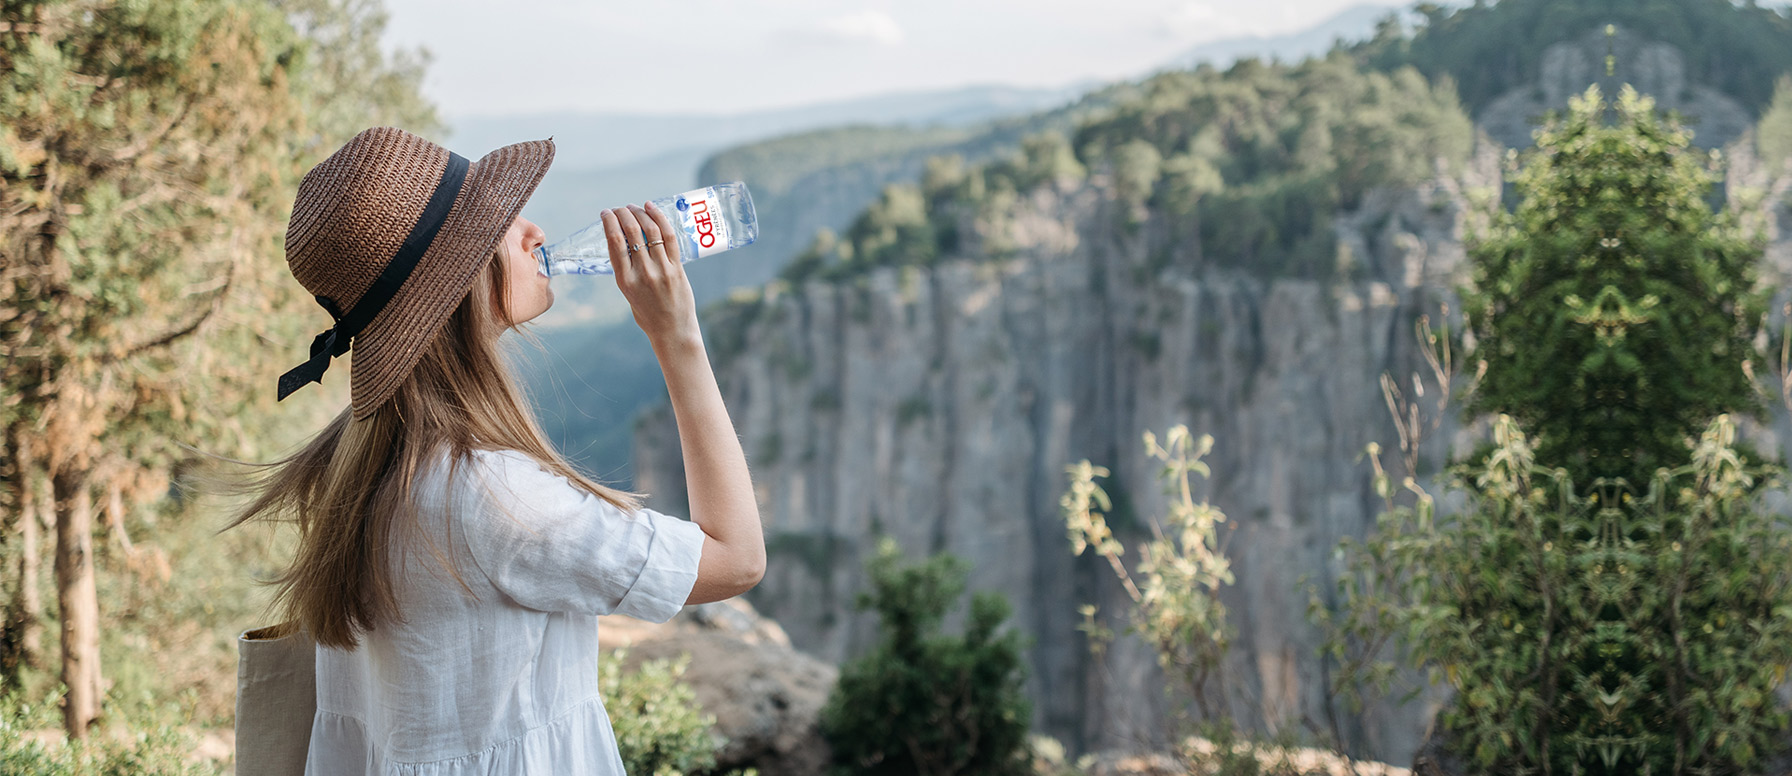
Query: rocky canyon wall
x,y
941,406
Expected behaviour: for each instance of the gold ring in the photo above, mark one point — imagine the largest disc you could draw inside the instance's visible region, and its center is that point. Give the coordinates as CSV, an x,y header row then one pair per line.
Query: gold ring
x,y
657,242
633,248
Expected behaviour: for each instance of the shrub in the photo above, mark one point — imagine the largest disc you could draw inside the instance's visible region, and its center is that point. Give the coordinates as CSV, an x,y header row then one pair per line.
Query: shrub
x,y
923,703
1615,311
660,728
1586,635
1177,607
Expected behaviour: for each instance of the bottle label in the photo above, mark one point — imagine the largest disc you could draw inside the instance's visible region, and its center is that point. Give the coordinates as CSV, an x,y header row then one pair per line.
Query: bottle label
x,y
702,223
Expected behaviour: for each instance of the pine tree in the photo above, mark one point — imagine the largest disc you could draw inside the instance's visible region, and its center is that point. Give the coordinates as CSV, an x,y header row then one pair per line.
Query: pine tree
x,y
926,704
148,154
1614,310
1611,600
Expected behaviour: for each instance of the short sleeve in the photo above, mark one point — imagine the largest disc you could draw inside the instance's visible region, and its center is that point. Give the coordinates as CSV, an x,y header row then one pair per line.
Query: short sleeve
x,y
552,547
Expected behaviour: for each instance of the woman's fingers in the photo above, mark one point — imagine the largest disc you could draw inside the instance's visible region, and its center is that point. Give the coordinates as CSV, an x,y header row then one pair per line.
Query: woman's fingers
x,y
668,232
650,229
631,231
620,261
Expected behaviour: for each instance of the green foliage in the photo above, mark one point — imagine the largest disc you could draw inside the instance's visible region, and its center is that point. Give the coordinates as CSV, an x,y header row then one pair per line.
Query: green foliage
x,y
162,124
921,703
912,409
148,154
728,323
1738,48
178,131
1773,134
660,727
1177,608
1252,163
895,230
1613,600
1137,165
813,259
1601,635
159,749
816,551
1046,159
1243,168
774,166
1613,309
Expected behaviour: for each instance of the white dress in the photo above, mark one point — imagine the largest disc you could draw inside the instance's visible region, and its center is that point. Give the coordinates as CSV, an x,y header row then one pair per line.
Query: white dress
x,y
504,682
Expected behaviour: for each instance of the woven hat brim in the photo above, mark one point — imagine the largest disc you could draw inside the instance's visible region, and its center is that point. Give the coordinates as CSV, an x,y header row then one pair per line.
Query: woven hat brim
x,y
496,188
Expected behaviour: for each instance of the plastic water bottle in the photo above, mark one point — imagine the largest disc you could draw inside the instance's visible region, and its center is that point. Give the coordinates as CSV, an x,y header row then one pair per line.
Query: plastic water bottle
x,y
707,221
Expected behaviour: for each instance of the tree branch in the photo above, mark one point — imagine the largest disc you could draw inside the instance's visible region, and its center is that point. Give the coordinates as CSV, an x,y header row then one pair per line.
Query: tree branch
x,y
130,152
169,337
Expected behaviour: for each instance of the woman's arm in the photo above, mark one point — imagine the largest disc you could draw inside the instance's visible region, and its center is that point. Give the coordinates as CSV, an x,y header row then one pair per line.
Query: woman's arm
x,y
715,472
721,490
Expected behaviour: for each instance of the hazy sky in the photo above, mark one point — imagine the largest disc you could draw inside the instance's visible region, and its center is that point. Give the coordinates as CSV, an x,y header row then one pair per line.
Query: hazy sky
x,y
651,56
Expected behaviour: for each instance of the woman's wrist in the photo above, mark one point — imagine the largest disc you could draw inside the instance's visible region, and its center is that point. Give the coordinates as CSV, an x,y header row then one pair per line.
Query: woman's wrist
x,y
678,345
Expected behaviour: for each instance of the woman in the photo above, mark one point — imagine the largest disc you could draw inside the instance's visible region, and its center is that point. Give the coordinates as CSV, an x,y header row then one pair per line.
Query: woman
x,y
451,565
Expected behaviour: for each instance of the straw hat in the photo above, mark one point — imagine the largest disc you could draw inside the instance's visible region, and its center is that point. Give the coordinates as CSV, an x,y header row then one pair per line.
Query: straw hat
x,y
388,233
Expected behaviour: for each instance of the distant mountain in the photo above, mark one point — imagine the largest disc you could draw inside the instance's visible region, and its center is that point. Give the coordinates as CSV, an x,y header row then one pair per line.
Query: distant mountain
x,y
1351,24
591,141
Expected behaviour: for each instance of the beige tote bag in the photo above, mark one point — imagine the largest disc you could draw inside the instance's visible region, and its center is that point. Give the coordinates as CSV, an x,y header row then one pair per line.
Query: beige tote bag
x,y
276,697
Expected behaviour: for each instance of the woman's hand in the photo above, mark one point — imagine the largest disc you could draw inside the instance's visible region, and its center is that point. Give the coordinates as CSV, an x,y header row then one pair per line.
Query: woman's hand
x,y
653,279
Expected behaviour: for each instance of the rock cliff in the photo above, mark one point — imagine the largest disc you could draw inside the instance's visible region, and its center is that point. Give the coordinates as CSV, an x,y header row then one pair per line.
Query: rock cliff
x,y
940,407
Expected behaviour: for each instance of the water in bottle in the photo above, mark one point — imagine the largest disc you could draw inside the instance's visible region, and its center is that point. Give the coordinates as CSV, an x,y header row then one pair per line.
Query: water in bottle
x,y
707,221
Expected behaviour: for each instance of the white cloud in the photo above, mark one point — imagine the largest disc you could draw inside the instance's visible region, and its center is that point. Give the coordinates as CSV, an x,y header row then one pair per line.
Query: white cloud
x,y
1192,14
868,26
1200,22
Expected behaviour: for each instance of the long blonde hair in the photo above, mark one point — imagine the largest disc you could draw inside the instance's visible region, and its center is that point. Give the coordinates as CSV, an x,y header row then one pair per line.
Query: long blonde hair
x,y
351,486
